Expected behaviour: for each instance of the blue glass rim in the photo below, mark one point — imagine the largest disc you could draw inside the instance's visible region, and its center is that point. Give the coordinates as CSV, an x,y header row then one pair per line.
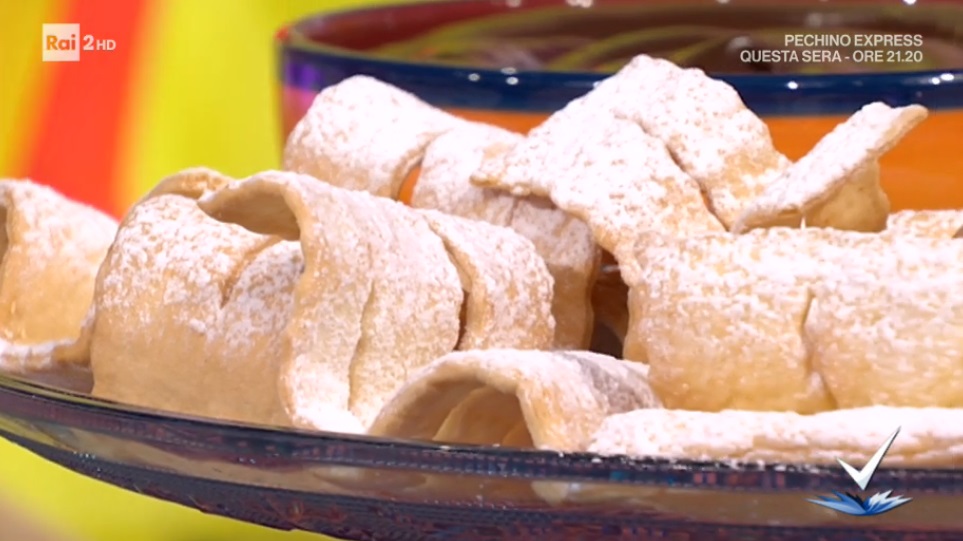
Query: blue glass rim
x,y
311,66
36,404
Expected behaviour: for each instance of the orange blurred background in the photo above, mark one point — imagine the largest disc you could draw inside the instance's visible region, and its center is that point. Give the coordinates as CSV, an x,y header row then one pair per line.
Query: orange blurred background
x,y
189,83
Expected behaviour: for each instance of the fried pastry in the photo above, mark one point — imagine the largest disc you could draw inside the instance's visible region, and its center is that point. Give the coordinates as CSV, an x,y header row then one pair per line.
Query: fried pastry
x,y
928,437
485,397
567,246
888,330
605,171
412,314
925,223
450,159
505,302
51,249
193,183
837,183
858,204
756,297
363,134
563,241
357,326
717,143
318,300
189,310
395,310
718,318
703,122
797,319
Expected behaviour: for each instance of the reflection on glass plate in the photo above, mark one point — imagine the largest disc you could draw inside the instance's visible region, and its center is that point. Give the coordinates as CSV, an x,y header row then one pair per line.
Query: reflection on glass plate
x,y
365,488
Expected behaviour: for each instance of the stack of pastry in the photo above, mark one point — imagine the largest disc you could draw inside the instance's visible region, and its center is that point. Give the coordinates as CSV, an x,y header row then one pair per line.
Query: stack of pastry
x,y
50,249
777,305
298,302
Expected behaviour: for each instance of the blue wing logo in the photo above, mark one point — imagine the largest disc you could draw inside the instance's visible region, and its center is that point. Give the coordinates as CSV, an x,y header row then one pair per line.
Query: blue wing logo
x,y
851,504
848,503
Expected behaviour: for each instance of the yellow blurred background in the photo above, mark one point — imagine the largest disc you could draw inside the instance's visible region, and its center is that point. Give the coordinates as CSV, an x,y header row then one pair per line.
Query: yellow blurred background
x,y
200,90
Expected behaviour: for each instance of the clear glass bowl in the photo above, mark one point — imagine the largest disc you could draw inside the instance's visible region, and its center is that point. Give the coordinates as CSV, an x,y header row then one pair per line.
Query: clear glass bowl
x,y
375,489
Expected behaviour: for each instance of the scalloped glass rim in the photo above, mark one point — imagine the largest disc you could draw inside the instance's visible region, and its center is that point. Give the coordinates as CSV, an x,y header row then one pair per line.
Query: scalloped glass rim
x,y
374,452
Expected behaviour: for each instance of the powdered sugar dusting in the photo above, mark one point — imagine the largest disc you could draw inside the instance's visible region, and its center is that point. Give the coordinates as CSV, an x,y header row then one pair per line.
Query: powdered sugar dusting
x,y
363,134
563,241
182,237
563,398
716,308
610,174
448,165
412,315
510,296
567,246
24,359
49,223
707,128
261,302
52,248
326,324
198,326
928,436
53,245
692,435
851,146
172,294
886,330
786,317
169,233
343,295
646,191
528,168
926,223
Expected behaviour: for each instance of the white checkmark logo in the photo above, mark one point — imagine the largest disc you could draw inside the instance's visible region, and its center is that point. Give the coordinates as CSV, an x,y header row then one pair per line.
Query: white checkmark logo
x,y
864,476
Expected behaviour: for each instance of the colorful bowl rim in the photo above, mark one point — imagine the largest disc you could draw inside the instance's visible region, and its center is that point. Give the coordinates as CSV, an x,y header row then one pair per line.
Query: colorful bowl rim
x,y
302,59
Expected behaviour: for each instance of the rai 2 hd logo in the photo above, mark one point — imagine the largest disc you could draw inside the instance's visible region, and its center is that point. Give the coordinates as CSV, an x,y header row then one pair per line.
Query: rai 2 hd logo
x,y
63,42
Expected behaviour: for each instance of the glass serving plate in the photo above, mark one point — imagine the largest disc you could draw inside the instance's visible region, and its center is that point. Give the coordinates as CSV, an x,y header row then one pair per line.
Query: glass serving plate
x,y
375,489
